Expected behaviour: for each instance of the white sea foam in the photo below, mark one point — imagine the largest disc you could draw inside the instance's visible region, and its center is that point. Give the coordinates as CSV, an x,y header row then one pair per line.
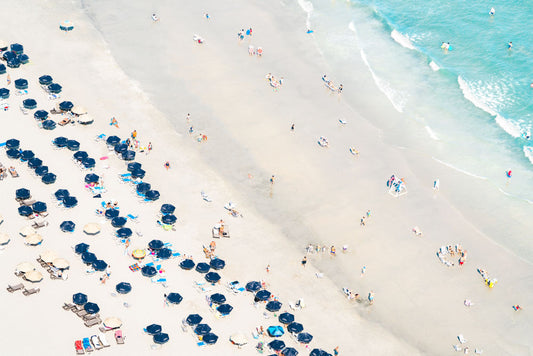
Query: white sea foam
x,y
307,6
511,127
352,28
528,152
432,134
434,66
470,96
396,98
459,169
402,39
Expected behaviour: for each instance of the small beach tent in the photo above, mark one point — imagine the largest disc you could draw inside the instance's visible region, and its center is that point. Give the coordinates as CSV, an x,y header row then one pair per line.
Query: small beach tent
x,y
138,254
66,25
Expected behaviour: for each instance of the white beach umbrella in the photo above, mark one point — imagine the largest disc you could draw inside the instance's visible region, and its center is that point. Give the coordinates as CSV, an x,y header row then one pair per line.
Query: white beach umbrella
x,y
27,230
4,238
78,110
48,256
33,276
113,323
91,228
3,45
85,119
33,239
238,339
61,263
25,267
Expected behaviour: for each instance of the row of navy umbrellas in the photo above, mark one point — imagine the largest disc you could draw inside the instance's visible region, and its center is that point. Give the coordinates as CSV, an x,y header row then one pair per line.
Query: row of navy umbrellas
x,y
14,57
14,151
89,258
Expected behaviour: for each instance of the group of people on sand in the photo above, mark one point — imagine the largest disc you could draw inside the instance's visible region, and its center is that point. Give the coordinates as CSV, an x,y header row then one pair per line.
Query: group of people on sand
x,y
242,33
448,254
275,83
330,84
312,248
252,51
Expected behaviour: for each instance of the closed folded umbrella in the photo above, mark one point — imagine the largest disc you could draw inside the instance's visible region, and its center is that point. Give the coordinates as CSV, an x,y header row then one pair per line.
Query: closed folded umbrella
x,y
217,298
33,239
174,298
253,286
33,276
210,338
67,226
217,263
193,319
91,228
81,248
79,299
202,267
48,256
161,338
25,267
153,329
187,264
295,327
112,323
212,277
61,263
99,265
305,338
286,318
224,309
91,308
123,288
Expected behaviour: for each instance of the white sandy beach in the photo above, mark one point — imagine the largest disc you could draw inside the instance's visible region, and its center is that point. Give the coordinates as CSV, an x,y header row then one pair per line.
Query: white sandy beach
x,y
149,75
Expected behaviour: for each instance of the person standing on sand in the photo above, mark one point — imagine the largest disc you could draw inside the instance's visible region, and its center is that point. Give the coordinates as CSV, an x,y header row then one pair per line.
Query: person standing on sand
x,y
8,79
292,128
362,221
336,351
371,297
304,261
149,147
167,165
333,251
134,134
272,180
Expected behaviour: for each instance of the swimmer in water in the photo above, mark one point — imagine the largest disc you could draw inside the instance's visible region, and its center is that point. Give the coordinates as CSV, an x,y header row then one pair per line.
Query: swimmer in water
x,y
492,12
510,45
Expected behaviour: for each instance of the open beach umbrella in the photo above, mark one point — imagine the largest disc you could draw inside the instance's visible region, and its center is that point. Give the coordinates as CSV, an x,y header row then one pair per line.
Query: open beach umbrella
x,y
262,295
319,352
35,162
99,265
21,84
148,271
133,166
275,331
121,147
139,253
49,178
81,248
13,153
212,277
65,106
78,110
4,238
48,125
224,309
152,195
22,194
39,207
88,257
43,115
174,298
217,298
17,48
55,88
67,226
73,145
45,80
286,318
4,93
41,171
25,267
80,155
295,328
48,256
161,338
13,143
193,319
143,187
3,45
9,55
276,345
138,173
61,194
187,264
253,286
25,210
273,306
238,339
3,70
66,25
169,219
217,263
156,244
27,231
112,140
289,351
164,253
23,58
61,263
202,267
112,323
91,308
123,288
88,163
33,276
14,62
29,104
210,338
85,119
167,209
124,232
153,329
91,228
128,155
70,202
27,155
305,338
202,329
91,178
118,222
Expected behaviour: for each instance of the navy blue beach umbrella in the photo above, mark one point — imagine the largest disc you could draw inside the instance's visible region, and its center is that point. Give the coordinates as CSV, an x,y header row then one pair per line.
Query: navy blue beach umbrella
x,y
112,140
273,306
41,170
55,88
49,178
156,244
22,194
142,188
49,125
17,48
153,329
133,165
187,264
124,232
29,103
295,328
70,202
79,299
210,338
25,210
14,62
13,143
80,155
262,295
73,145
224,309
128,155
217,263
119,221
21,83
164,253
169,219
4,93
253,286
60,141
81,248
193,319
123,288
305,338
61,194
148,271
152,195
161,338
174,298
289,351
286,318
121,147
13,153
276,345
3,70
65,105
202,267
202,329
35,162
112,213
88,163
88,257
212,277
99,265
167,209
91,308
217,298
67,226
39,207
91,178
9,55
319,352
138,173
27,155
23,58
45,80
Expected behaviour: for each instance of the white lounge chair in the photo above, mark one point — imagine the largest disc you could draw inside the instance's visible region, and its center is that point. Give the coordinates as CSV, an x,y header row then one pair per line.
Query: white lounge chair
x,y
103,340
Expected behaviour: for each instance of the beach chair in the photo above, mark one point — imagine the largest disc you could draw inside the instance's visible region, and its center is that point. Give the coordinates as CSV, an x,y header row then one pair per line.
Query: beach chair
x,y
90,317
14,288
100,137
54,96
135,267
24,110
132,217
103,340
96,342
86,343
81,313
92,322
65,121
119,338
79,347
27,292
13,172
21,92
68,306
39,224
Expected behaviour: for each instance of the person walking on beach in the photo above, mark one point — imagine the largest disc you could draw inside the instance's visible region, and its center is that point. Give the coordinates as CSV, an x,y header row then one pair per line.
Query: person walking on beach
x,y
8,79
149,147
336,351
114,122
371,297
362,221
333,251
167,165
292,128
363,270
304,261
134,134
188,118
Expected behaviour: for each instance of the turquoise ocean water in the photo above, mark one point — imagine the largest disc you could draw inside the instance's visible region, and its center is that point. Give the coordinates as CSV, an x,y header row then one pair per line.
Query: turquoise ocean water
x,y
474,102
